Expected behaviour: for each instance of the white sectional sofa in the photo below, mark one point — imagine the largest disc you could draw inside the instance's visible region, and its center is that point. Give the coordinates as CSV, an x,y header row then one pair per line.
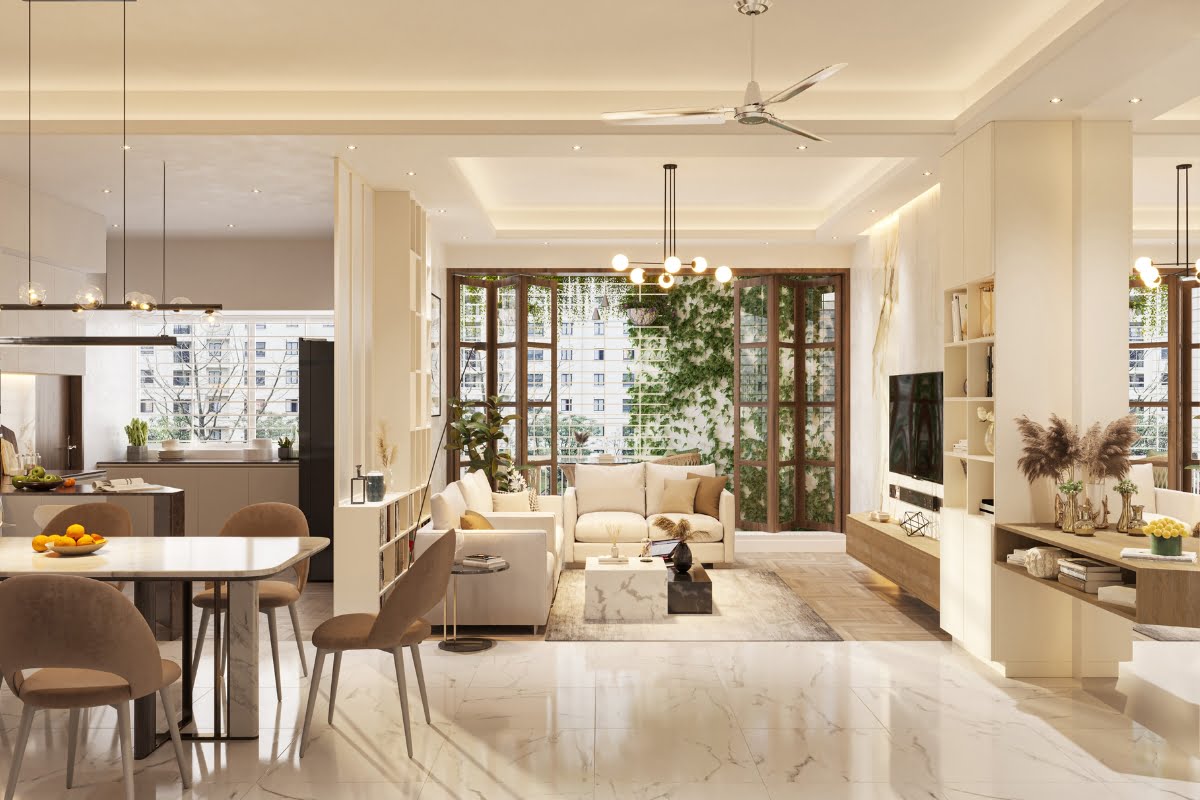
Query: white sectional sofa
x,y
630,497
531,542
1183,506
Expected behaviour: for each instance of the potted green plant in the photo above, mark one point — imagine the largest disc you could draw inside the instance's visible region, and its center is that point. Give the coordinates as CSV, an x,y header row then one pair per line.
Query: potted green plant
x,y
136,432
477,434
286,452
1166,536
644,308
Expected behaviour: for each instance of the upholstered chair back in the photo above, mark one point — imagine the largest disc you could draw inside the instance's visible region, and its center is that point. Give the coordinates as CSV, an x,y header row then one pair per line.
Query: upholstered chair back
x,y
71,622
108,519
418,590
270,519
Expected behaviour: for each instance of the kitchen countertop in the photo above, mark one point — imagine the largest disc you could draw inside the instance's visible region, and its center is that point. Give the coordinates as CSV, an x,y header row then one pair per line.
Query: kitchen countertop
x,y
81,489
199,462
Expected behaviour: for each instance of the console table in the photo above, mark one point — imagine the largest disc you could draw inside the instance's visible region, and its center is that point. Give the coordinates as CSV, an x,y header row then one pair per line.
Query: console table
x,y
1168,593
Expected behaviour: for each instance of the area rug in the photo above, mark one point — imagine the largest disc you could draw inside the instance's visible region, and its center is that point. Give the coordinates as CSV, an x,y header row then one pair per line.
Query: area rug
x,y
749,605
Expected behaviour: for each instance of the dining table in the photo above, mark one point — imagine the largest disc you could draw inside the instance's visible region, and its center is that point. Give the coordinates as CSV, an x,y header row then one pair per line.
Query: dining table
x,y
233,564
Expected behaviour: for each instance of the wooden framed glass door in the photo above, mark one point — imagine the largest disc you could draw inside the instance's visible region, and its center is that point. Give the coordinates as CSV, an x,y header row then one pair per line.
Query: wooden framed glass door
x,y
791,402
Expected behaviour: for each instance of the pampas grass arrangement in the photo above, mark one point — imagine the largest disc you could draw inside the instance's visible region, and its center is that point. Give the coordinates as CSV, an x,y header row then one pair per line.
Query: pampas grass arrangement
x,y
1057,450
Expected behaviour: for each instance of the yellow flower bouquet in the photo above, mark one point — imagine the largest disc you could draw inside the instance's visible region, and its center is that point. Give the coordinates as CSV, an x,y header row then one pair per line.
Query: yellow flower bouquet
x,y
1166,536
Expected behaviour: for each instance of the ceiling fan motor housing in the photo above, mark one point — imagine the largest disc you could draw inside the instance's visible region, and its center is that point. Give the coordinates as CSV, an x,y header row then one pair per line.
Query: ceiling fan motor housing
x,y
752,8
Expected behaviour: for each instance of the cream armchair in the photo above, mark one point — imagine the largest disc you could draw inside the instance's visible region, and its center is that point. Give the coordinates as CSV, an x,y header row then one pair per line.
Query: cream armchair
x,y
627,497
530,541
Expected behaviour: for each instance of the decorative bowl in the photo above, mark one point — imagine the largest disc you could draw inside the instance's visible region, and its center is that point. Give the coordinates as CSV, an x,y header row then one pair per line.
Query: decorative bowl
x,y
21,482
76,550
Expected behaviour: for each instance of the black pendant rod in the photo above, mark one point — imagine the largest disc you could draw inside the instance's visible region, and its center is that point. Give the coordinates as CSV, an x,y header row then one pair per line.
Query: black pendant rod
x,y
124,154
29,151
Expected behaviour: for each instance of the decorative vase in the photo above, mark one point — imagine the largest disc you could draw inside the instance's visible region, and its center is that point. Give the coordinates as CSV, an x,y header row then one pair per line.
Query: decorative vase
x,y
1070,513
1138,522
286,454
137,452
681,558
989,438
1058,507
1085,525
1161,546
1125,521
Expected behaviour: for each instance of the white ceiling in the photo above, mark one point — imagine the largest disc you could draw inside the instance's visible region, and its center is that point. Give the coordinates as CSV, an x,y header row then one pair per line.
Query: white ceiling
x,y
485,102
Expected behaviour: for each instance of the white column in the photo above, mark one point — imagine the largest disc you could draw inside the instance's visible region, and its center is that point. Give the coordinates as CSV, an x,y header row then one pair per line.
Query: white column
x,y
243,658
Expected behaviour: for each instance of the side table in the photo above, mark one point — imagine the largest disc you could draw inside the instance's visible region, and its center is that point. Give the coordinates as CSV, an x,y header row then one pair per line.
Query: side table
x,y
456,643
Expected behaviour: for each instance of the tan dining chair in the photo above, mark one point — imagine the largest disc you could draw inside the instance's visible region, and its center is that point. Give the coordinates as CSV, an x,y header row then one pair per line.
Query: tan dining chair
x,y
109,519
90,647
262,519
398,625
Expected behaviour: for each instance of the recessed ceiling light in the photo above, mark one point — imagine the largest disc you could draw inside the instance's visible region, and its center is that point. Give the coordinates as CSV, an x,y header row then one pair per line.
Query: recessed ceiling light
x,y
1135,100
351,147
231,225
835,236
1056,100
256,190
927,173
576,147
801,147
766,242
410,173
465,238
108,191
116,225
546,244
126,147
872,211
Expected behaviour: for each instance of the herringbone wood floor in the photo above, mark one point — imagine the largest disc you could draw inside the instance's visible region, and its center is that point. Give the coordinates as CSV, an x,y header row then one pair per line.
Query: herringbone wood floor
x,y
857,602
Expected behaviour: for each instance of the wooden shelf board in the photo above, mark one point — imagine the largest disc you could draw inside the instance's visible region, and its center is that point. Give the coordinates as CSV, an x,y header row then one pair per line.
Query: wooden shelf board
x,y
971,456
1091,599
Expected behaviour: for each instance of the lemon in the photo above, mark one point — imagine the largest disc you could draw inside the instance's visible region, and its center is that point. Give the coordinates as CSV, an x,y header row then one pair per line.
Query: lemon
x,y
75,531
85,539
39,543
65,541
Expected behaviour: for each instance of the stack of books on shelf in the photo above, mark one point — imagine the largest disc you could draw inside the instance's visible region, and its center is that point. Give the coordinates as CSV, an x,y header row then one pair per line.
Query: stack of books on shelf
x,y
1017,557
1087,575
484,561
960,447
987,507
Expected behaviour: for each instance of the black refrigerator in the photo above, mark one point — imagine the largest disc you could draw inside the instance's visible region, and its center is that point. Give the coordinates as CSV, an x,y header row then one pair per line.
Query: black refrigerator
x,y
316,449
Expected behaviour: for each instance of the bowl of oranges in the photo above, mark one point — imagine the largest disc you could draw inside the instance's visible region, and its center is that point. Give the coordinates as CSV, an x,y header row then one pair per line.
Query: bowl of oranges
x,y
75,542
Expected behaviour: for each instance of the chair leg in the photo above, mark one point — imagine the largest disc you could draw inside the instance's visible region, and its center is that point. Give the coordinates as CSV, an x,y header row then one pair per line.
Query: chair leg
x,y
72,744
273,627
337,672
313,684
126,735
416,657
204,616
14,768
173,726
299,639
402,686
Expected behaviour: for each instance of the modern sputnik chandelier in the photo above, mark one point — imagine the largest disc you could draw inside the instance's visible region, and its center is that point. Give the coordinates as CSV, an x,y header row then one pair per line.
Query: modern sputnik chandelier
x,y
1151,273
671,265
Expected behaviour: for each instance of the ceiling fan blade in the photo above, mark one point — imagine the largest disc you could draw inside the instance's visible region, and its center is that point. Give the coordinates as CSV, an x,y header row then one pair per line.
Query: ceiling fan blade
x,y
778,123
669,116
804,85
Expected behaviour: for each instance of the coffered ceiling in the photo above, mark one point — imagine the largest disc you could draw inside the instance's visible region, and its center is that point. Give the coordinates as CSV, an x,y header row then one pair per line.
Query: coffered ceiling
x,y
489,111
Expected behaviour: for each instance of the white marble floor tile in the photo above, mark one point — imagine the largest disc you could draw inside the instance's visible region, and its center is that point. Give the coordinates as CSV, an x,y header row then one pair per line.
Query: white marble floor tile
x,y
674,709
799,708
535,709
853,791
514,762
611,790
1014,790
697,755
814,757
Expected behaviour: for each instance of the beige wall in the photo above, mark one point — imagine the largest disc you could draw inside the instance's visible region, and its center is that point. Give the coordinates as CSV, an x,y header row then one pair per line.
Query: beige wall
x,y
243,273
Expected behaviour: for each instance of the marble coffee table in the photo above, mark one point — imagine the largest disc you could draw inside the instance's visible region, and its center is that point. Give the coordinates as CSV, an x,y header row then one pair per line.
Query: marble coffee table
x,y
635,591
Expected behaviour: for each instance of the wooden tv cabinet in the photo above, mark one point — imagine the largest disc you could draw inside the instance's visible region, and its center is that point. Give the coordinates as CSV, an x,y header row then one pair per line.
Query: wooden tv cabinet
x,y
911,562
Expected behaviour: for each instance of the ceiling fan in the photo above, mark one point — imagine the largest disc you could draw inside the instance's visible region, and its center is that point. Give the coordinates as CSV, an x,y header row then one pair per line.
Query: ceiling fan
x,y
752,111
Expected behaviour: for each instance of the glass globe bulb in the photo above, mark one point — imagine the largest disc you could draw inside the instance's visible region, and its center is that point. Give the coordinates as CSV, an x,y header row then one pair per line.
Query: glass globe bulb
x,y
32,293
90,297
638,275
672,264
620,262
723,274
699,264
666,280
134,299
181,301
1143,264
1151,278
212,316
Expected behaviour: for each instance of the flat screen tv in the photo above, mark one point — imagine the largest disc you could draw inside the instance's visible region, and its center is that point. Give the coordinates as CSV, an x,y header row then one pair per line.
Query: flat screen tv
x,y
915,422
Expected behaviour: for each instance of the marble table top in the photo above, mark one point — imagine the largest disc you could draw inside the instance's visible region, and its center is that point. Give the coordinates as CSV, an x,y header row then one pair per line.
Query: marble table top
x,y
8,491
166,557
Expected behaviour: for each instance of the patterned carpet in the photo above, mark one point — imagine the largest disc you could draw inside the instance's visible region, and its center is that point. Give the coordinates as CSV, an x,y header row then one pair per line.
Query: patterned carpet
x,y
749,605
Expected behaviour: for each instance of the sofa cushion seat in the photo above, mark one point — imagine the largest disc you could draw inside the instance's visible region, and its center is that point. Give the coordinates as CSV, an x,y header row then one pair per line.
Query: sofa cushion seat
x,y
593,527
707,529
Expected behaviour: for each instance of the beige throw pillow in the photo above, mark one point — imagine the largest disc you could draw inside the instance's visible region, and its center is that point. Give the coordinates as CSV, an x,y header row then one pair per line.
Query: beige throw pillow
x,y
679,497
516,501
611,488
708,496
